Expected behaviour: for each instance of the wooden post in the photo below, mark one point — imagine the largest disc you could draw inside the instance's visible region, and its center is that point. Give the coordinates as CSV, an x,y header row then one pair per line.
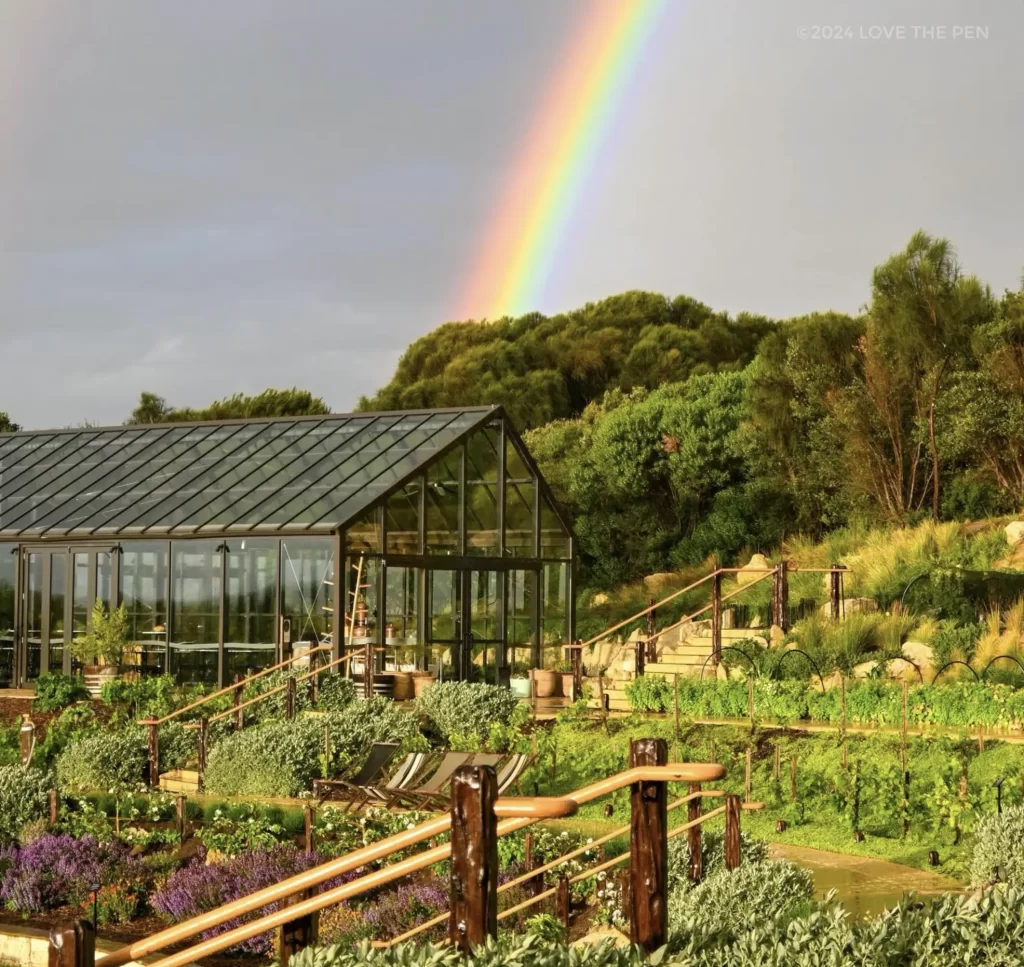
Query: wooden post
x,y
73,944
834,578
792,778
675,702
368,670
780,596
314,679
732,832
179,814
748,779
750,701
842,699
154,754
625,892
856,796
203,730
298,934
693,808
577,671
906,803
652,644
533,887
716,617
474,873
236,698
562,899
648,864
641,657
289,697
309,817
906,687
778,761
28,739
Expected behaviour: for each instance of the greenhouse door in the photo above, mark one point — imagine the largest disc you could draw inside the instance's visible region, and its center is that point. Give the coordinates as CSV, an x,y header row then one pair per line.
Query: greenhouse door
x,y
465,624
59,587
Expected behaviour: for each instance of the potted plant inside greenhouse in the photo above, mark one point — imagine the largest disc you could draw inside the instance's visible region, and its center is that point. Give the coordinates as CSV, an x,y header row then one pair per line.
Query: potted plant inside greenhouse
x,y
100,650
519,680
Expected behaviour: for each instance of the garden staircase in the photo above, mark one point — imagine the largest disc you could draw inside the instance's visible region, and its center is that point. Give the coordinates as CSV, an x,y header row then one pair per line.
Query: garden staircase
x,y
693,645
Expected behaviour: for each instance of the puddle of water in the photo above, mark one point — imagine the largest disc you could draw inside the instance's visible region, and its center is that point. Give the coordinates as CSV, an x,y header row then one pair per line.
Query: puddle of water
x,y
866,886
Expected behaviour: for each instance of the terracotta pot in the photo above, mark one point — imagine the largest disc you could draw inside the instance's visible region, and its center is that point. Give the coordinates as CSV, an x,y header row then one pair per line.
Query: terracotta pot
x,y
545,683
567,685
403,686
421,681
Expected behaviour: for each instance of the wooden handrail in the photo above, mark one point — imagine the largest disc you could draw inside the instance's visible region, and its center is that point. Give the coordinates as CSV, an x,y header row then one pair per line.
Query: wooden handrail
x,y
230,688
520,813
536,871
725,597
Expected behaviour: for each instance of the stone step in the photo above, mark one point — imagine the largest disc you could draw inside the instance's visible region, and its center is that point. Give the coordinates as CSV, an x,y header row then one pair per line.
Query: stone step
x,y
180,780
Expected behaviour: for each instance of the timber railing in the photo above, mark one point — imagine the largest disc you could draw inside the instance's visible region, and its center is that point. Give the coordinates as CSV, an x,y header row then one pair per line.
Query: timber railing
x,y
646,647
237,710
475,822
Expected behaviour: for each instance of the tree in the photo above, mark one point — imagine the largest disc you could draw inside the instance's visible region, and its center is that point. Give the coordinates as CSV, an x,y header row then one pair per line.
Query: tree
x,y
269,403
7,425
922,315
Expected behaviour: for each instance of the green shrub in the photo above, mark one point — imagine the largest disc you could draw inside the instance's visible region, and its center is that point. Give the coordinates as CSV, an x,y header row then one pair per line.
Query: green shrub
x,y
336,693
178,746
357,726
56,691
24,797
649,693
107,760
150,697
999,843
274,758
752,851
732,899
464,708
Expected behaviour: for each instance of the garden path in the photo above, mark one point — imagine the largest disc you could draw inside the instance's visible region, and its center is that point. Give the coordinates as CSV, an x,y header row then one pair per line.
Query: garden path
x,y
866,886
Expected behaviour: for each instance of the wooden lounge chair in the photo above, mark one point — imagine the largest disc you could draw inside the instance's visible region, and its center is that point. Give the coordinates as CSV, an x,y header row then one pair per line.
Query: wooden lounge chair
x,y
347,790
513,771
431,792
405,775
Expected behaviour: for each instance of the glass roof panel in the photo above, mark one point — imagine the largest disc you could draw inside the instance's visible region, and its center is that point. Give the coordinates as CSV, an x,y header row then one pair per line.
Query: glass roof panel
x,y
179,479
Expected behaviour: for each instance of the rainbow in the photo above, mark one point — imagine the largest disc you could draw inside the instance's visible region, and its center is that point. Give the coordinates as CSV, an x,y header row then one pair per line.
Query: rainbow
x,y
523,237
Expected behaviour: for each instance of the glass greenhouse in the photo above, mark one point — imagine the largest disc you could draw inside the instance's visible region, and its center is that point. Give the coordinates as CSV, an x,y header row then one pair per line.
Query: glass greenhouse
x,y
232,545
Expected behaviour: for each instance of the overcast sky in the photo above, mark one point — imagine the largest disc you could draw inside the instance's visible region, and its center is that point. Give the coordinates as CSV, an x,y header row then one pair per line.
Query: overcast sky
x,y
199,198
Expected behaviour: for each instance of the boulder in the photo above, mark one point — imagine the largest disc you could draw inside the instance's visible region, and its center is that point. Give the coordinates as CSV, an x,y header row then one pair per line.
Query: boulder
x,y
859,606
1014,532
864,669
900,671
835,680
600,599
655,583
918,652
755,622
754,569
776,636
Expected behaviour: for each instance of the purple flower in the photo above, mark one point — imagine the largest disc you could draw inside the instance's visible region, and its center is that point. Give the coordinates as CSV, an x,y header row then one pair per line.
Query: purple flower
x,y
198,887
52,871
408,905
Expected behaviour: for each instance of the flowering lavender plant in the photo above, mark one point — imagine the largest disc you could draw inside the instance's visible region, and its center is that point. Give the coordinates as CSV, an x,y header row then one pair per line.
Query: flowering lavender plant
x,y
394,911
52,871
199,887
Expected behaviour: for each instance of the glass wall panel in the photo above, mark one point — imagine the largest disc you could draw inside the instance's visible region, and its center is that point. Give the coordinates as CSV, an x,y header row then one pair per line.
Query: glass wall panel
x,y
363,534
554,540
402,519
401,619
7,589
520,490
485,622
58,599
34,624
444,619
442,498
362,610
144,573
522,591
307,573
195,607
79,594
555,619
250,610
482,536
104,577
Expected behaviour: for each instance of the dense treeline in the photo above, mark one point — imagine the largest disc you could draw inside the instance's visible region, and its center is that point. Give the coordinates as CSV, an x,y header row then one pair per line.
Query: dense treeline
x,y
544,368
672,432
915,409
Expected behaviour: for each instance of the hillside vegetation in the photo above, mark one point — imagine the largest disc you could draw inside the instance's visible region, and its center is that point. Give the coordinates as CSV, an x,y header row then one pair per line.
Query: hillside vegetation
x,y
672,433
